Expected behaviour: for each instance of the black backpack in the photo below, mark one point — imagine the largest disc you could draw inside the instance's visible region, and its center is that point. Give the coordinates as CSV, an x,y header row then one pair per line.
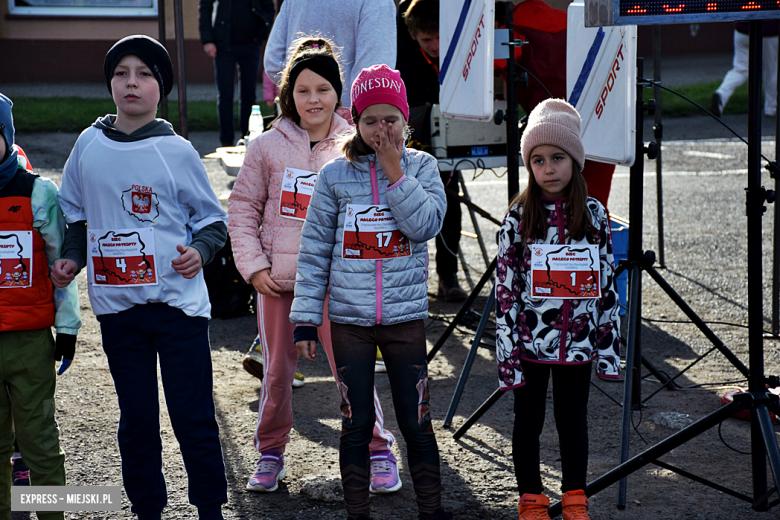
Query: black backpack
x,y
229,294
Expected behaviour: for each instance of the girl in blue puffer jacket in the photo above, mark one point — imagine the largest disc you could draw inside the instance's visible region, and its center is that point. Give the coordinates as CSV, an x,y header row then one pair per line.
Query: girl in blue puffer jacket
x,y
364,240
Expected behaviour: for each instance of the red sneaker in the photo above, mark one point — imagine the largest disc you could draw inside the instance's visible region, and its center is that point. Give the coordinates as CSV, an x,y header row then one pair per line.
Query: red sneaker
x,y
575,505
534,507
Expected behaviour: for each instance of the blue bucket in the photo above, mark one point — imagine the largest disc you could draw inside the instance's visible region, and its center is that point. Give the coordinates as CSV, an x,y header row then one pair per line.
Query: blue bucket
x,y
620,252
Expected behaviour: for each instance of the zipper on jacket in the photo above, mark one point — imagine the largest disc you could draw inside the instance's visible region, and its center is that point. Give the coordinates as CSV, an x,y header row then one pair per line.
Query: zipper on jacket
x,y
566,309
375,192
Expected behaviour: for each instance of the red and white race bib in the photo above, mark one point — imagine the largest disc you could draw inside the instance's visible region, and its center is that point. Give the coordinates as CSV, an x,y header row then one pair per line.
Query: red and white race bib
x,y
16,255
297,188
565,271
122,257
371,233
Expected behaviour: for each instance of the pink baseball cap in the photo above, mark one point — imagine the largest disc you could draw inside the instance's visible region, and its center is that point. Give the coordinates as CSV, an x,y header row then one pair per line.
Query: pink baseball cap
x,y
379,84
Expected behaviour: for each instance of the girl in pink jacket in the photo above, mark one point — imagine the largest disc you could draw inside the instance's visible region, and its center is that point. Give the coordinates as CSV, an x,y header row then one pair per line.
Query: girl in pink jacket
x,y
267,208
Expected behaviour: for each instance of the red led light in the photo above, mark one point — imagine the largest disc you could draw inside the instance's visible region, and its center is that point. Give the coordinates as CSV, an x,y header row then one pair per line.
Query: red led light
x,y
677,9
638,10
751,5
712,6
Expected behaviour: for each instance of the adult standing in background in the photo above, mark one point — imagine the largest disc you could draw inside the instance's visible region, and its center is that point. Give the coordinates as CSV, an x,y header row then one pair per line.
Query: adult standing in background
x,y
739,71
233,38
364,30
418,62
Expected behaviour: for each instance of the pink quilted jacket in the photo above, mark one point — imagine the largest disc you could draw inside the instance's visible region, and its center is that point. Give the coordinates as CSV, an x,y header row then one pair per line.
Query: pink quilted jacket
x,y
260,237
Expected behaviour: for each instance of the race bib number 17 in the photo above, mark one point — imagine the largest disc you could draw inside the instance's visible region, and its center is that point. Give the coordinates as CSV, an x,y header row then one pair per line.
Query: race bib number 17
x,y
565,271
122,257
16,254
371,233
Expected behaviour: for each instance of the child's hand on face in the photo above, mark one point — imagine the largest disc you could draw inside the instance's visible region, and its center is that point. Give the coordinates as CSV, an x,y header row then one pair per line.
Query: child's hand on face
x,y
389,151
307,349
189,263
264,284
63,272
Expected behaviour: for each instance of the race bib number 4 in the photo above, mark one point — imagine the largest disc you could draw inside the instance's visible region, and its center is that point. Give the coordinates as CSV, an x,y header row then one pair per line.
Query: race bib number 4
x,y
16,252
297,188
370,233
565,271
122,257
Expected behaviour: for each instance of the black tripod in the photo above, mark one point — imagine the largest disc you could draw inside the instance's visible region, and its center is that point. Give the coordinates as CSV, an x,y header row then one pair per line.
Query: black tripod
x,y
757,399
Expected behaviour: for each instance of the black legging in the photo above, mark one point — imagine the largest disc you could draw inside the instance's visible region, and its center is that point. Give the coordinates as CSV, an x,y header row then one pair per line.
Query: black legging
x,y
571,384
404,351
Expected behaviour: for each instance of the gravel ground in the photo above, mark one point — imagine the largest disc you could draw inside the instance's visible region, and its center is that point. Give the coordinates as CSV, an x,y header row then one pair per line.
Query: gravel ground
x,y
705,261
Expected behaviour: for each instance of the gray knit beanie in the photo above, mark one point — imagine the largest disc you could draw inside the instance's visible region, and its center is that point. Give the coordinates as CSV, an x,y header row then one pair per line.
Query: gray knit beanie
x,y
555,122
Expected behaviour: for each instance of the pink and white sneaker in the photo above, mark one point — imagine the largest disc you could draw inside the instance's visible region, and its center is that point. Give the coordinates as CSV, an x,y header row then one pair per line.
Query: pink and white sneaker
x,y
270,470
384,473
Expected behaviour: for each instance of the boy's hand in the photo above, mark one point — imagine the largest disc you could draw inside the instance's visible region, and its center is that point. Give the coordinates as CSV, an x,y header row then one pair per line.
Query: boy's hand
x,y
307,349
64,349
389,150
264,284
189,263
63,272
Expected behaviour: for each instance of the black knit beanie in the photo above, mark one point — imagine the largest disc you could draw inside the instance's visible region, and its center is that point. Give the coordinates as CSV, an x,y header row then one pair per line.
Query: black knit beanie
x,y
148,50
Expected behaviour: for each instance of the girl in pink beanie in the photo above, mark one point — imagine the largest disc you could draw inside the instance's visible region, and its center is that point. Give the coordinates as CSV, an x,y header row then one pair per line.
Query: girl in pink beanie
x,y
364,248
557,308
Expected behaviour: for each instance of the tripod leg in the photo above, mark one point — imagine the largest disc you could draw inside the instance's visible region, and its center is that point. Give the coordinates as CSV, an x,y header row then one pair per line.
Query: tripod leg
x,y
767,432
463,310
495,396
628,384
464,374
734,360
656,451
473,218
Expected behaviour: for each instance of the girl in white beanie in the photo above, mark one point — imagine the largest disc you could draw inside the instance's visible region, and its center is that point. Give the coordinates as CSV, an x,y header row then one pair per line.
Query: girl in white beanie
x,y
557,308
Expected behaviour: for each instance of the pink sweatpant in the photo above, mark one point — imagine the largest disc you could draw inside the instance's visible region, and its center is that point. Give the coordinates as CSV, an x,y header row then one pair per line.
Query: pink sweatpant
x,y
274,417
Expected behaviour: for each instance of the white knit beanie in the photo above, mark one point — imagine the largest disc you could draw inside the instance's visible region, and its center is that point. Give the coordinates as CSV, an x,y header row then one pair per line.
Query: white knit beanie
x,y
554,122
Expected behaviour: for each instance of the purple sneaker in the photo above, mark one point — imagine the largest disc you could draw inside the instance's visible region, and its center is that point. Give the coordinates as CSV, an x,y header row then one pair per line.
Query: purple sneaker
x,y
384,473
270,470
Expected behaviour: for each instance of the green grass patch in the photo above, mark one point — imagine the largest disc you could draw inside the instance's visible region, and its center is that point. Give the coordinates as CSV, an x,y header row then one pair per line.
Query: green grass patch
x,y
675,106
68,114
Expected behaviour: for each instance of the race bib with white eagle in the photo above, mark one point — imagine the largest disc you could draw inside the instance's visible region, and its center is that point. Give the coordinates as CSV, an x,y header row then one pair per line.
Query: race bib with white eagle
x,y
371,233
16,257
122,257
565,271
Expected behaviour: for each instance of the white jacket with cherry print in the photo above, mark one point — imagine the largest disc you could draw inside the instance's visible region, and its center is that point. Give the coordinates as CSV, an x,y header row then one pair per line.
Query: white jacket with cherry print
x,y
530,329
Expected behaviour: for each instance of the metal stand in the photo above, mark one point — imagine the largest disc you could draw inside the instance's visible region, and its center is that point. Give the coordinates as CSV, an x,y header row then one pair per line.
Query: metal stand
x,y
757,399
658,133
464,374
474,222
776,238
182,81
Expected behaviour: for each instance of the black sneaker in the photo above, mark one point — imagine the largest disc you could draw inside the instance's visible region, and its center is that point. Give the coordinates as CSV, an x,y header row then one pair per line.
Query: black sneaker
x,y
717,105
20,474
440,514
450,289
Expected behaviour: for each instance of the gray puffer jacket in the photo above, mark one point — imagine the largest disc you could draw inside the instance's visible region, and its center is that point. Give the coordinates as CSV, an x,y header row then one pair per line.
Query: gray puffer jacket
x,y
368,292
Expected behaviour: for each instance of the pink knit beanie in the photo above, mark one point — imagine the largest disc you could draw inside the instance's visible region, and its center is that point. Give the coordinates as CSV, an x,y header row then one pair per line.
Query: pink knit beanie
x,y
555,122
379,84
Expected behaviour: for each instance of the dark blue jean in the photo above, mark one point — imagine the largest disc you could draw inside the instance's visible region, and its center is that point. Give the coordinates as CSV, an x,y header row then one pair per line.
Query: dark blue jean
x,y
404,352
247,58
133,340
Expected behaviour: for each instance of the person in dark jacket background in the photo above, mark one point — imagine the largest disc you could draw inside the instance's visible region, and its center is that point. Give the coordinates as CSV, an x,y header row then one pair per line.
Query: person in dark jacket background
x,y
233,38
418,63
544,59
